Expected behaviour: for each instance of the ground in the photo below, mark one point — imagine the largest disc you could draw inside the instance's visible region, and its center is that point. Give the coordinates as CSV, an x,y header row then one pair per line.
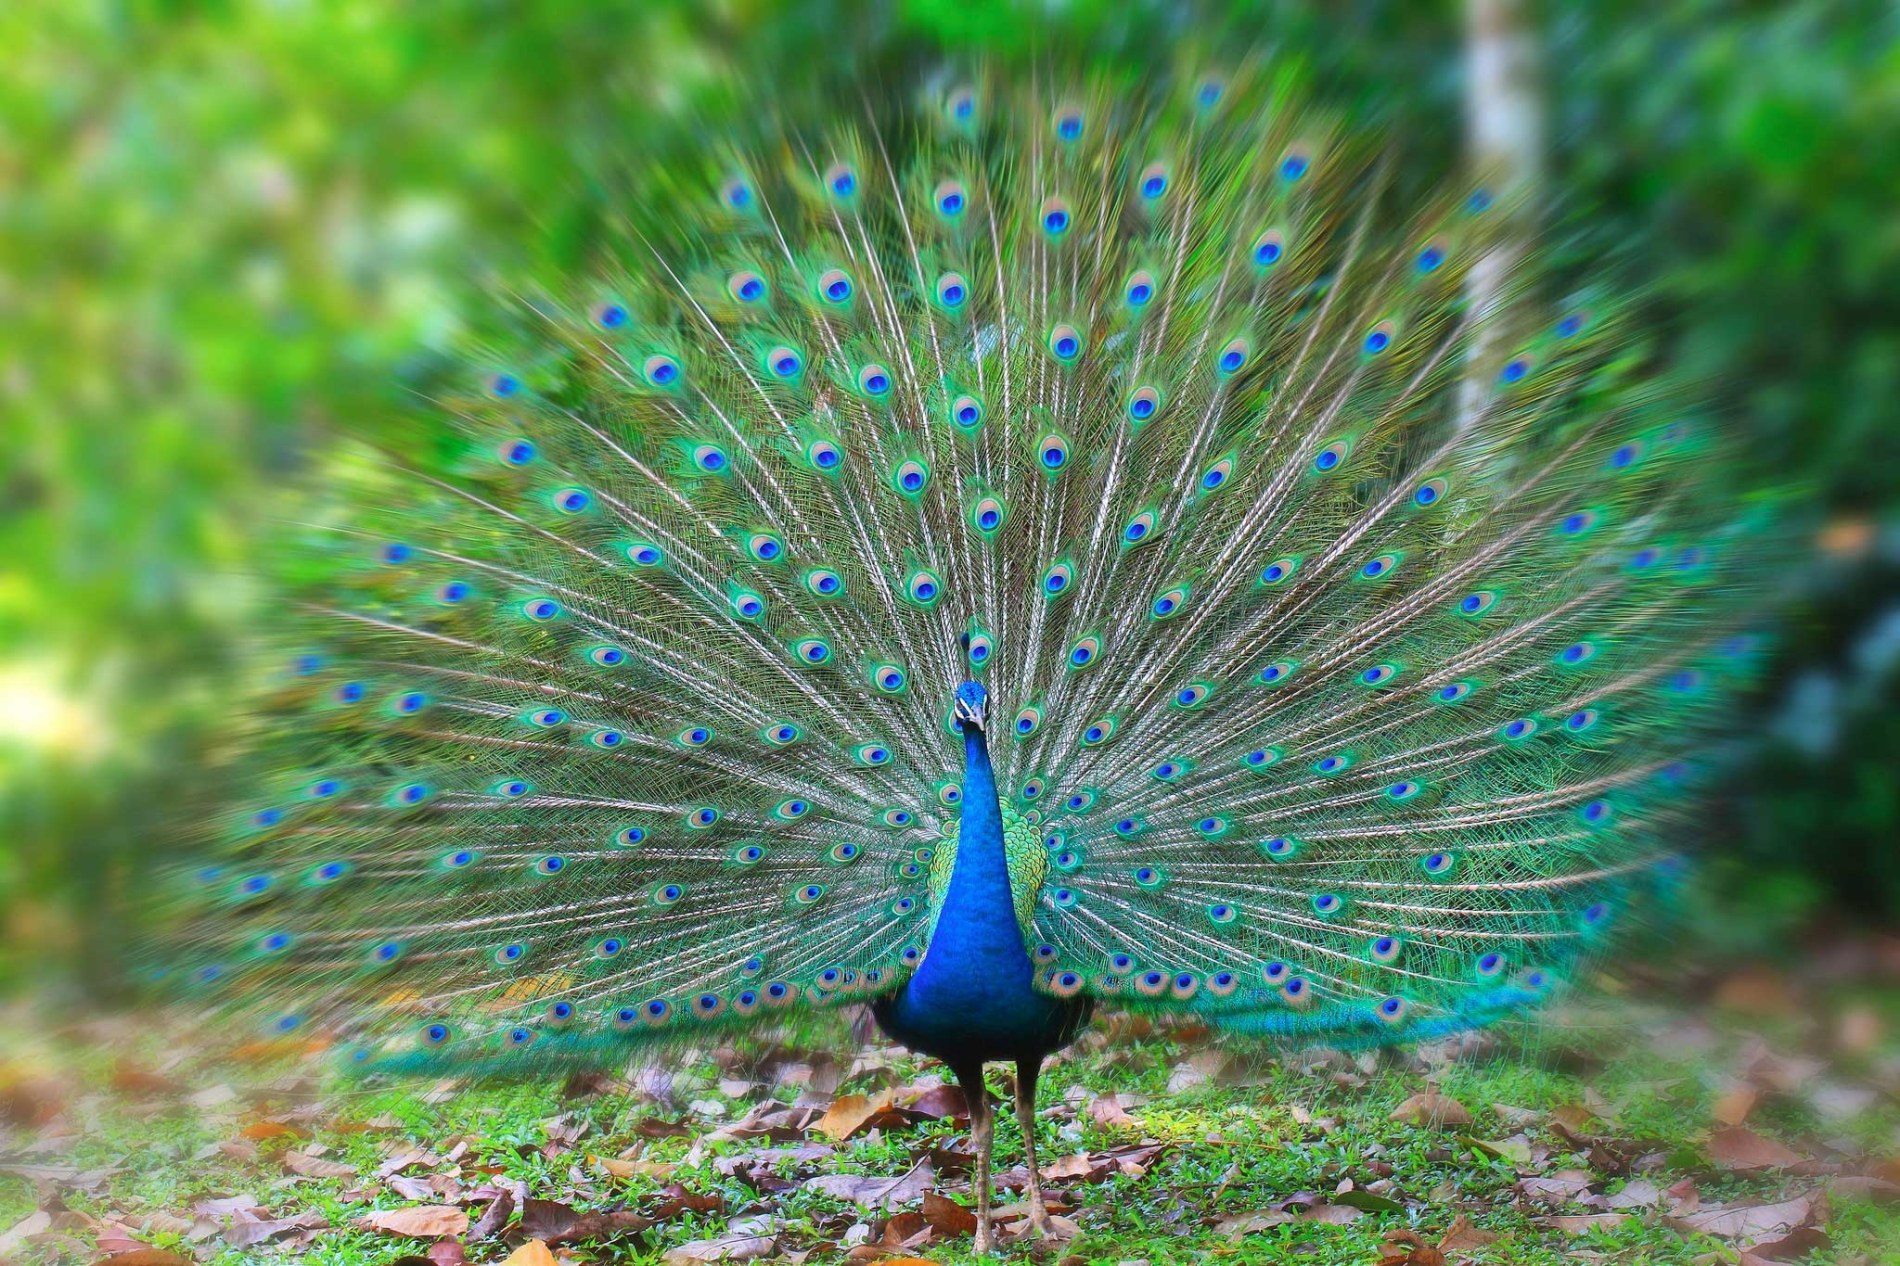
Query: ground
x,y
1624,1129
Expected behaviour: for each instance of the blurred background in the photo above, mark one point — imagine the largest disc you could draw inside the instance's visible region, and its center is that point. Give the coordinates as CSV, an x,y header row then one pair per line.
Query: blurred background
x,y
238,237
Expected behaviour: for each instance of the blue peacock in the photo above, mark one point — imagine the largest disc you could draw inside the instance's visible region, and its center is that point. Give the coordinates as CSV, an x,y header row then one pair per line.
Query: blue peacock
x,y
1021,550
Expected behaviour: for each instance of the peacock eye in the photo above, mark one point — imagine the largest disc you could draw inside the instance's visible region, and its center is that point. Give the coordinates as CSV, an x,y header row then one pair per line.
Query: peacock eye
x,y
1139,289
1379,567
987,515
966,412
736,193
1139,529
951,198
1276,672
1056,581
1330,457
824,455
1098,732
952,290
1065,342
1268,249
1379,337
746,286
1294,165
1233,357
835,286
784,362
1193,696
874,380
1027,721
1143,404
1169,602
1153,181
910,477
841,180
1068,124
517,452
924,588
1279,571
661,370
1054,217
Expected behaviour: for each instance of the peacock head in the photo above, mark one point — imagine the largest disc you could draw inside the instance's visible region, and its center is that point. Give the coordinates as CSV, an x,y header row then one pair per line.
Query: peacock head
x,y
973,703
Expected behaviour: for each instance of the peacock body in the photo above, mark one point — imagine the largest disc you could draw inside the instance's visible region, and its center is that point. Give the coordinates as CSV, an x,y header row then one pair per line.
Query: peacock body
x,y
1016,551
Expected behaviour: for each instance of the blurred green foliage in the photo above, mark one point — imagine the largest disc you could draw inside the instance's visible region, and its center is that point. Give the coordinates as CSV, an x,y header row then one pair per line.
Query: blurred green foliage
x,y
235,234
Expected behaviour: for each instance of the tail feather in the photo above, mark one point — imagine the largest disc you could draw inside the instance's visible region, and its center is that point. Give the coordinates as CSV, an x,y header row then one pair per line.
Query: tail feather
x,y
1340,712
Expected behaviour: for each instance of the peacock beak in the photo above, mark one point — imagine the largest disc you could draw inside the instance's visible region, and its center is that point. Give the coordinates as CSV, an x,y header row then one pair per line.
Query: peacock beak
x,y
970,715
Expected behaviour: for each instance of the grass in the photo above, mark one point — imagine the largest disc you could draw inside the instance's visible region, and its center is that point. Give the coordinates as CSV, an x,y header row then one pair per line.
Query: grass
x,y
1244,1136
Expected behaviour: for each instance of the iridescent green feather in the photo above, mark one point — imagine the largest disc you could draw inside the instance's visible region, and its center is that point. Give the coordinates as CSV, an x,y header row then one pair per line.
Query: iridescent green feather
x,y
631,716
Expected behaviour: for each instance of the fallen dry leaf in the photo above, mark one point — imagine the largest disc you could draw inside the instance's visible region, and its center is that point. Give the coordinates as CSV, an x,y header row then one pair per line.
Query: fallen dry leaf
x,y
422,1221
1733,1108
871,1192
1583,1223
147,1256
533,1253
1462,1237
851,1115
316,1166
250,1232
1740,1148
946,1216
493,1218
1432,1109
1405,1247
35,1223
736,1246
939,1103
1754,1221
1248,1223
555,1223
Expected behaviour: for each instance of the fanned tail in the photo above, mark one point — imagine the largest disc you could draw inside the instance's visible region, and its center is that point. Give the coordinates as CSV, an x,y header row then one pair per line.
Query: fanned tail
x,y
1337,713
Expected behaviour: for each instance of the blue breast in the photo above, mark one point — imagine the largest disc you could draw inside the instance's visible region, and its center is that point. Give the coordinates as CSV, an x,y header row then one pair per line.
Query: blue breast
x,y
972,998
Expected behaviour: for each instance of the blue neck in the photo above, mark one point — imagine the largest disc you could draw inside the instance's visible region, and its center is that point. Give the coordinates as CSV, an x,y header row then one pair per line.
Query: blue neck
x,y
973,998
978,897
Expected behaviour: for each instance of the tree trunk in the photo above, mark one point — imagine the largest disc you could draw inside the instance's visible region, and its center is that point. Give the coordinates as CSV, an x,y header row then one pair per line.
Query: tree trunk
x,y
1504,123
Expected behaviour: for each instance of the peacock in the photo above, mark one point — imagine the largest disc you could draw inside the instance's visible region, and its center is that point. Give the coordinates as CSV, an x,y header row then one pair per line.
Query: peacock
x,y
1028,546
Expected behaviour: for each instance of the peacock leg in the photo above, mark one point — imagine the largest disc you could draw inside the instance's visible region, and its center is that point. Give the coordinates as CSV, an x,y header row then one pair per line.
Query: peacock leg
x,y
1027,1070
982,1137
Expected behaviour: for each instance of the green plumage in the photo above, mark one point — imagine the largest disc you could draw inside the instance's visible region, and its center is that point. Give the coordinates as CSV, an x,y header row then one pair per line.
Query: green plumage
x,y
1319,706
